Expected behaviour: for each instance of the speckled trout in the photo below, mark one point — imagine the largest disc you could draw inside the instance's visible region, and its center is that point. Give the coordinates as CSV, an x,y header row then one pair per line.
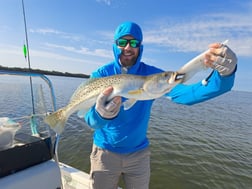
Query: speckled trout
x,y
132,87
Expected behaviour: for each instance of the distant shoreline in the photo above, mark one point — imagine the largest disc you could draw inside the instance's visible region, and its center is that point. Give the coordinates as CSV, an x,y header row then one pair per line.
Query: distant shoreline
x,y
45,72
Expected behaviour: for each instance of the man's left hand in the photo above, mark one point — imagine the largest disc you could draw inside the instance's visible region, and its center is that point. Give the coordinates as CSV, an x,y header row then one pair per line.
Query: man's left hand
x,y
221,58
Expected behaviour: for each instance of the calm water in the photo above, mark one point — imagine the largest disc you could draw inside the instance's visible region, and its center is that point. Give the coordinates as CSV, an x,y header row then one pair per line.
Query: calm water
x,y
208,145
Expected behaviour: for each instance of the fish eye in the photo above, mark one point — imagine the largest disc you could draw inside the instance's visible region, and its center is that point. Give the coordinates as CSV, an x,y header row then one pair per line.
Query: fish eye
x,y
166,74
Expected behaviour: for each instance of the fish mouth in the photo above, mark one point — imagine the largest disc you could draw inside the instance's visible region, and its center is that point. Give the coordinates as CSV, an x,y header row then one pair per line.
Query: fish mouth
x,y
176,78
179,76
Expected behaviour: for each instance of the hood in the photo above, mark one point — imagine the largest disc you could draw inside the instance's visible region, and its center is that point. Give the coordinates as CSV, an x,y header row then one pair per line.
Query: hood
x,y
128,28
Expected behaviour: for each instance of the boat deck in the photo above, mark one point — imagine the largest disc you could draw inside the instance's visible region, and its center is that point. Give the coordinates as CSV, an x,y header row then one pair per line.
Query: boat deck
x,y
73,178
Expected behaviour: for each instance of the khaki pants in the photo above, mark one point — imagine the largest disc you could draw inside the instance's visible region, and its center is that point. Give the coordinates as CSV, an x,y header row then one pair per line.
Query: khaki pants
x,y
107,167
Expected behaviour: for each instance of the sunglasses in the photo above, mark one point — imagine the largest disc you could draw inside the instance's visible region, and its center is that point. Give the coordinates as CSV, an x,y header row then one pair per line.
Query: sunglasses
x,y
134,43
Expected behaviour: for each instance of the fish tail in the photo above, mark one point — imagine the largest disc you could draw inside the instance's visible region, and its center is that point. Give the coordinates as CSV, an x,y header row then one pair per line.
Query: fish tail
x,y
57,120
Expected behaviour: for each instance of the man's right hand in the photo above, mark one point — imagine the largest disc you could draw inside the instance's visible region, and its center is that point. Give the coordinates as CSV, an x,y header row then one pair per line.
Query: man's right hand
x,y
108,109
221,58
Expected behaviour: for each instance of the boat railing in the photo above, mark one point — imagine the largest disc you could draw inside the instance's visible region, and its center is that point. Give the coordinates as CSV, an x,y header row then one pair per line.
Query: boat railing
x,y
52,94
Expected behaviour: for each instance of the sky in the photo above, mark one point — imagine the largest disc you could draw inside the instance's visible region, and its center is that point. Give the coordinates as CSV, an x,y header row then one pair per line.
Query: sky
x,y
76,36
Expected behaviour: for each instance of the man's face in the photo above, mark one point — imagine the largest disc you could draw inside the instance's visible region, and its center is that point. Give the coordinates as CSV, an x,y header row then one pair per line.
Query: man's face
x,y
129,54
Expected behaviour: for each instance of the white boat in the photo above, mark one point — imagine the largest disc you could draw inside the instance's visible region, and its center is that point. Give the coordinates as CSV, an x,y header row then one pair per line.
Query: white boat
x,y
30,160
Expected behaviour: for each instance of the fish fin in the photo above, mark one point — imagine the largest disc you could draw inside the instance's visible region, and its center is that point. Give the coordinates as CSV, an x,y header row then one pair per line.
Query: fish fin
x,y
138,91
129,103
56,120
81,113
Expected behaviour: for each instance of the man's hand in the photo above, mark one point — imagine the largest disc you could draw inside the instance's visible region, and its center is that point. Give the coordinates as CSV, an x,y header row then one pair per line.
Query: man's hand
x,y
108,109
221,58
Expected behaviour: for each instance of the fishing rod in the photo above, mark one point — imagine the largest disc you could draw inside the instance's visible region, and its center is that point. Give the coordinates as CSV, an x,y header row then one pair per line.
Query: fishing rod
x,y
27,56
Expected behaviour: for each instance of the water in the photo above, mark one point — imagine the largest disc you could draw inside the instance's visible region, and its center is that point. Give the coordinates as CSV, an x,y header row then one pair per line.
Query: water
x,y
208,145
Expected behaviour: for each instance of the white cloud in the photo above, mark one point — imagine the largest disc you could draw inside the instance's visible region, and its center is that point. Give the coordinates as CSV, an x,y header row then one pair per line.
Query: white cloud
x,y
54,32
107,2
45,31
15,52
197,33
83,50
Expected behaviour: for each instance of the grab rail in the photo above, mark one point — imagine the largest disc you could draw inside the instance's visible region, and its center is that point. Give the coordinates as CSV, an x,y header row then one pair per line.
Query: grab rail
x,y
53,98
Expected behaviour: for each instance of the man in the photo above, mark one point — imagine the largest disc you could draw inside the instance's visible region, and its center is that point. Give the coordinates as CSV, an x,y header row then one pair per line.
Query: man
x,y
120,142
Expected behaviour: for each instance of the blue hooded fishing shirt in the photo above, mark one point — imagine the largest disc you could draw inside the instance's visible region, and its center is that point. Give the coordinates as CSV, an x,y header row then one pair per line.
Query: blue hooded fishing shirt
x,y
127,132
